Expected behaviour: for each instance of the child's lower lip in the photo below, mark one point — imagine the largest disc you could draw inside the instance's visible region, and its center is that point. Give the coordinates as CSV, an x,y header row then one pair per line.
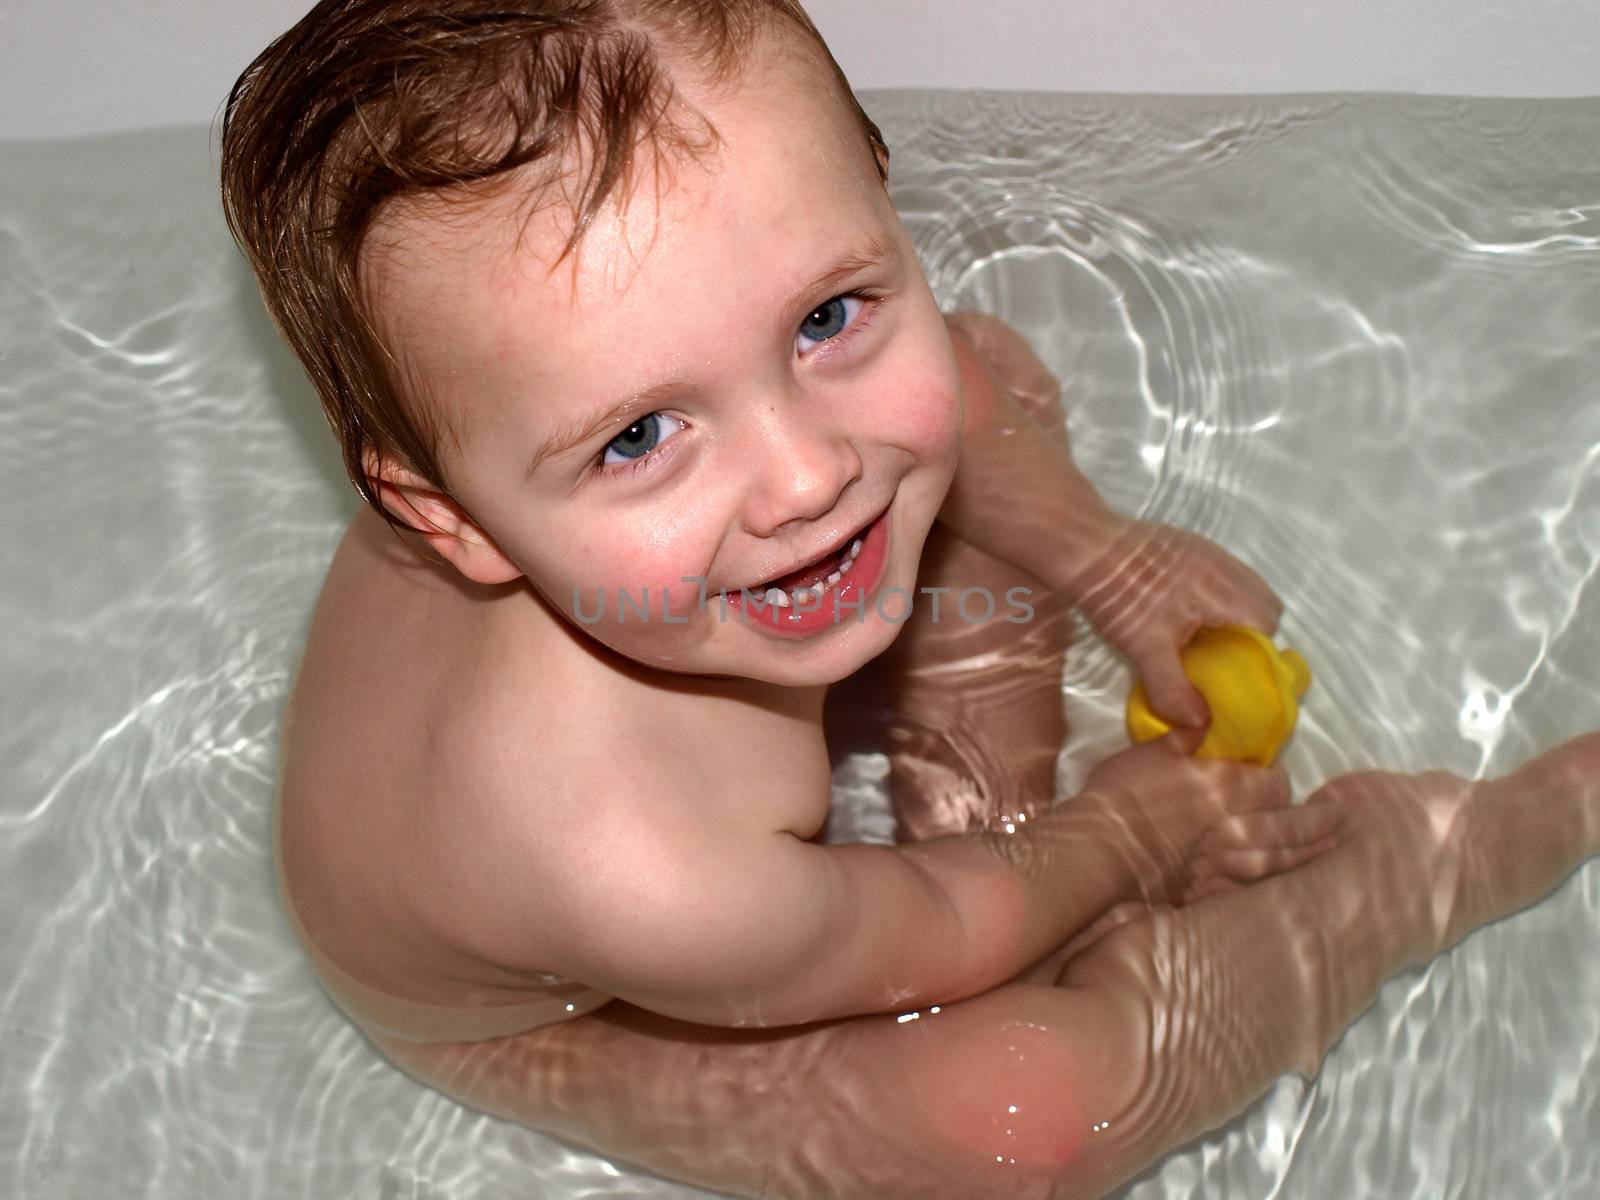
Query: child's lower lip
x,y
839,605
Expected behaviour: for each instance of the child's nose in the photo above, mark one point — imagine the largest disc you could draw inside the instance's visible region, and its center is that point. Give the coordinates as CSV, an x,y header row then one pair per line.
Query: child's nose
x,y
802,468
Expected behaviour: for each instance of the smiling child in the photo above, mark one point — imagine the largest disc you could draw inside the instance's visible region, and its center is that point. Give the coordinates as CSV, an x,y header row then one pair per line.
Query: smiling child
x,y
668,453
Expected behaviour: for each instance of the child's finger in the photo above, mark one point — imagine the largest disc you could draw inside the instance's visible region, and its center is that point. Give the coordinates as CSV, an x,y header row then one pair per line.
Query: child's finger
x,y
1214,884
1182,740
1251,791
1170,692
1249,865
1283,827
1261,613
1239,596
1263,607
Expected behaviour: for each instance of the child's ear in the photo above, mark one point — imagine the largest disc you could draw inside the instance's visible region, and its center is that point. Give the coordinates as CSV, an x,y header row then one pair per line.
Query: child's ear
x,y
881,153
443,523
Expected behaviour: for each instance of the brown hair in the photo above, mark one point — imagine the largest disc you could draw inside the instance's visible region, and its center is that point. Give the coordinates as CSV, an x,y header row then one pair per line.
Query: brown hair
x,y
364,101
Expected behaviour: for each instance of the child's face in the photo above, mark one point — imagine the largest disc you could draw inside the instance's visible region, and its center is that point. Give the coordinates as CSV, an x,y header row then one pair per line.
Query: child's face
x,y
750,361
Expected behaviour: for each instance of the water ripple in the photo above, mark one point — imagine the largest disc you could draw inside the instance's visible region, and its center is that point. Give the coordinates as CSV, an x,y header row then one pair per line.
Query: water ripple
x,y
1352,338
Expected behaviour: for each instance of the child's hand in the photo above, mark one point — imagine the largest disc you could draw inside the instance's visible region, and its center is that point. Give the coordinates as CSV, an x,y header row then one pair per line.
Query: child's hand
x,y
1191,827
1253,846
1153,590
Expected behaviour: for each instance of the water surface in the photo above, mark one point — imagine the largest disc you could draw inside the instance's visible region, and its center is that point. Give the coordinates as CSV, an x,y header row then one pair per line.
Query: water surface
x,y
1355,339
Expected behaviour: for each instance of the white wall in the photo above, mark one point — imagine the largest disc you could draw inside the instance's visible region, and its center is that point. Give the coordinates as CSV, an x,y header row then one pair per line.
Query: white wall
x,y
84,66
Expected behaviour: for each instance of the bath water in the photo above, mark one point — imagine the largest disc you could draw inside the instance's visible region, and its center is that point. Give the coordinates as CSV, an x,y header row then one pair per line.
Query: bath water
x,y
1356,339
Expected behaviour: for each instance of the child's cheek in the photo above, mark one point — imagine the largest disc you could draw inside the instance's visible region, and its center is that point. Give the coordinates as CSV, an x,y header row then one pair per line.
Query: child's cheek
x,y
667,570
927,415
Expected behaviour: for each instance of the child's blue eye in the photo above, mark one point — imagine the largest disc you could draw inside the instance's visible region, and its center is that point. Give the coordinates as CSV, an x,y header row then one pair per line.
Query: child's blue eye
x,y
637,440
829,320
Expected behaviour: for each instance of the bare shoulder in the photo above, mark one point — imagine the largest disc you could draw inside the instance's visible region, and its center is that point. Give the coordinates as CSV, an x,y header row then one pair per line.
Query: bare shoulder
x,y
454,783
602,790
1011,360
983,329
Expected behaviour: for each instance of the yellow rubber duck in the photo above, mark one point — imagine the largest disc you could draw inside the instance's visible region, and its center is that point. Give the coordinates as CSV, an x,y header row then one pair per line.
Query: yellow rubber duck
x,y
1253,689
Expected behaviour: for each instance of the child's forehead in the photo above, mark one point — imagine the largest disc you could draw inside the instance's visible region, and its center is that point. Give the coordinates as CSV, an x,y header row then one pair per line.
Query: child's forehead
x,y
427,259
687,281
779,152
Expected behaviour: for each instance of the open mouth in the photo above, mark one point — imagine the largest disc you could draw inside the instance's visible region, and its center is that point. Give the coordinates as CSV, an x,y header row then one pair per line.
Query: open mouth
x,y
807,583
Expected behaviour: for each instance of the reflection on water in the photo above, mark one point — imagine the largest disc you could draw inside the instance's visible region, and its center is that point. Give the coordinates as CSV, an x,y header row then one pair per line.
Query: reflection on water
x,y
1353,339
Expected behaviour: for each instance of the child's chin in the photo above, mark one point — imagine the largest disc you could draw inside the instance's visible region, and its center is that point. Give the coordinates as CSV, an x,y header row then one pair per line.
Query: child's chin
x,y
819,661
820,671
830,661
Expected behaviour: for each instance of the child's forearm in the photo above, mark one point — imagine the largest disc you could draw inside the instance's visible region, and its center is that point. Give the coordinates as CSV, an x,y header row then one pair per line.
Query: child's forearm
x,y
937,921
1016,897
1017,493
947,918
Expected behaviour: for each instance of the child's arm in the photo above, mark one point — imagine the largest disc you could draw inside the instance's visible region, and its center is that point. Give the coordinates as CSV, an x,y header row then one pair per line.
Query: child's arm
x,y
1018,496
1161,1031
703,913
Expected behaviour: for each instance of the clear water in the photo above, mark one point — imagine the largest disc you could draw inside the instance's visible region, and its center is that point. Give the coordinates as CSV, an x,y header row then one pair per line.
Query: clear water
x,y
1355,339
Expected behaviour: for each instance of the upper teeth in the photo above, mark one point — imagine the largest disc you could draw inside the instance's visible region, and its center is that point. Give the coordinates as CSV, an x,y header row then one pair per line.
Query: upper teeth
x,y
782,599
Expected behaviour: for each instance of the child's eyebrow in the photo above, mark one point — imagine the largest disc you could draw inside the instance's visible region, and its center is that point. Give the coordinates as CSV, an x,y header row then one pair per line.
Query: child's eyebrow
x,y
575,432
875,253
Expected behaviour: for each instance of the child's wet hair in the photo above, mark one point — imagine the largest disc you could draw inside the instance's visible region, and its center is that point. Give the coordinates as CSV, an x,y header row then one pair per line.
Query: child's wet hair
x,y
364,102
